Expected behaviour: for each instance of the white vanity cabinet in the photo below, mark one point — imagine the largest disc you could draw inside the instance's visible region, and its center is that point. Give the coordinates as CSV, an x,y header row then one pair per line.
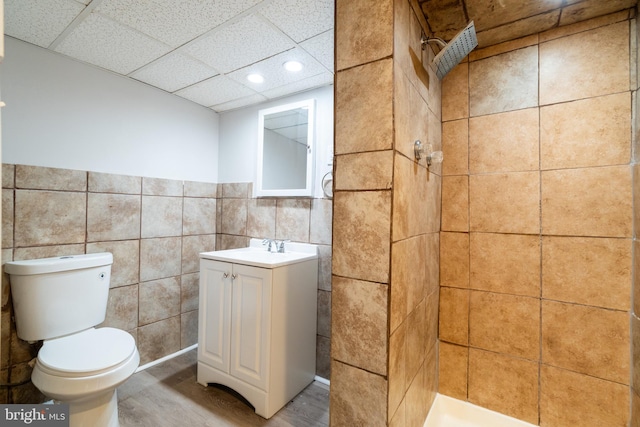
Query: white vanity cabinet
x,y
257,329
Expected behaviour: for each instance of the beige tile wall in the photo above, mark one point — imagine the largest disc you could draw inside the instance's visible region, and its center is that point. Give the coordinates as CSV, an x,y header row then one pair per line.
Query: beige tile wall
x,y
386,218
155,229
536,241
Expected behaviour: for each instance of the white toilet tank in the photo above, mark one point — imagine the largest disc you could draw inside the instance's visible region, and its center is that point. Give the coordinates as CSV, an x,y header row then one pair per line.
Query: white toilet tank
x,y
59,296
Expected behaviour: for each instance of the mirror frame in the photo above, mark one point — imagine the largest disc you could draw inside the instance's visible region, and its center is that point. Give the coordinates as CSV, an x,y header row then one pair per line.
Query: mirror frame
x,y
307,191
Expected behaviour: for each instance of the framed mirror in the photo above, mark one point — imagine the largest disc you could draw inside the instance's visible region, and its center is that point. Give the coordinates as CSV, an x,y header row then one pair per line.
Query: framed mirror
x,y
286,150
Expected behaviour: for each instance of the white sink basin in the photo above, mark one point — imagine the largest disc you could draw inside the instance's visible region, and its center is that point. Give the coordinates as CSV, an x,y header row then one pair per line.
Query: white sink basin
x,y
258,256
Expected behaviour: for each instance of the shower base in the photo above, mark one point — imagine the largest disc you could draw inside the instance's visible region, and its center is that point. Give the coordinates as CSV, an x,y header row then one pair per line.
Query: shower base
x,y
449,412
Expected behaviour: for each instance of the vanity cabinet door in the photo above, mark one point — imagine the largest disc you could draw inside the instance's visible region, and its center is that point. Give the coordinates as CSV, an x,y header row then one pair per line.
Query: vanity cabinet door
x,y
214,317
250,324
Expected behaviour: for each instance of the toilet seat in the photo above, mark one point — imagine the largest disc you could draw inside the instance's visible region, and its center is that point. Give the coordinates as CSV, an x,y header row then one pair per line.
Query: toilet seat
x,y
87,353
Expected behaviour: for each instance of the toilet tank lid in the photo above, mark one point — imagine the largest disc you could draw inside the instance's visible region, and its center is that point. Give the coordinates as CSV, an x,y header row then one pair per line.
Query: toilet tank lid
x,y
52,265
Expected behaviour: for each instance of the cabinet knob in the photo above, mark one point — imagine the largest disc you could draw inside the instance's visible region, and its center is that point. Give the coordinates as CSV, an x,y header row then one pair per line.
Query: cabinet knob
x,y
233,276
225,275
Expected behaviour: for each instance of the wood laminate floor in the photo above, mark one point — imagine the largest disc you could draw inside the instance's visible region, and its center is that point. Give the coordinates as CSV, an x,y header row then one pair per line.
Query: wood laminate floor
x,y
168,395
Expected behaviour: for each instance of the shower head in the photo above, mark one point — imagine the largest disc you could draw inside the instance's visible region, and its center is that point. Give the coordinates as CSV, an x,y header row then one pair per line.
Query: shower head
x,y
454,51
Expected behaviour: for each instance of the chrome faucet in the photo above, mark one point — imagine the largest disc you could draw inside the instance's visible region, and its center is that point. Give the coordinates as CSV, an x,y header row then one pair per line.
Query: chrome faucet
x,y
273,245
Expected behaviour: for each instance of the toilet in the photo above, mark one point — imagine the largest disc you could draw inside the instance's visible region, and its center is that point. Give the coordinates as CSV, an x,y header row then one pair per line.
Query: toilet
x,y
61,300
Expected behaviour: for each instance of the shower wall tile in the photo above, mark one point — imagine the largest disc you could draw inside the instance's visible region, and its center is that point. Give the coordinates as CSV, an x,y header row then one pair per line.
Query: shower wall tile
x,y
505,203
455,93
567,30
122,308
357,397
602,124
234,216
292,219
199,216
200,189
162,187
454,315
323,357
189,289
366,93
504,82
406,40
7,218
410,196
112,183
320,229
506,324
364,171
261,218
504,142
158,339
113,217
49,217
408,105
415,341
226,241
409,279
41,178
566,397
191,248
453,370
420,393
362,233
397,364
584,65
188,329
161,216
160,258
159,299
366,39
635,348
587,202
497,49
126,260
600,336
360,338
454,260
505,263
455,147
586,270
455,203
504,384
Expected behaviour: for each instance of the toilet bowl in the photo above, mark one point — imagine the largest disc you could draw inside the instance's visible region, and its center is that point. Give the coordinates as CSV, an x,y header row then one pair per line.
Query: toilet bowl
x,y
60,301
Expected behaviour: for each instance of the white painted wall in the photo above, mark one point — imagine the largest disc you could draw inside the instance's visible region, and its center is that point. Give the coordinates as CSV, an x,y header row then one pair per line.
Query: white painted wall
x,y
65,114
239,138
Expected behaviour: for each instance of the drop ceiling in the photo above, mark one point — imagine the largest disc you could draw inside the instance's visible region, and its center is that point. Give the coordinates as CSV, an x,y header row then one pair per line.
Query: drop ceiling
x,y
201,50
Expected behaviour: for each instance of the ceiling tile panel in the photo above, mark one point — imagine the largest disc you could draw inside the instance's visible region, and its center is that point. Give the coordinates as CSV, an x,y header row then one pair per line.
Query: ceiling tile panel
x,y
174,71
174,22
492,13
321,48
240,44
444,17
39,21
239,103
107,44
273,71
323,79
214,91
301,19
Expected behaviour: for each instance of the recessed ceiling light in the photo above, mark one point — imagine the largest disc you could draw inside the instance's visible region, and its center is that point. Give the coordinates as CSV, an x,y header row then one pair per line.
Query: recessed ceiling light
x,y
293,66
255,78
